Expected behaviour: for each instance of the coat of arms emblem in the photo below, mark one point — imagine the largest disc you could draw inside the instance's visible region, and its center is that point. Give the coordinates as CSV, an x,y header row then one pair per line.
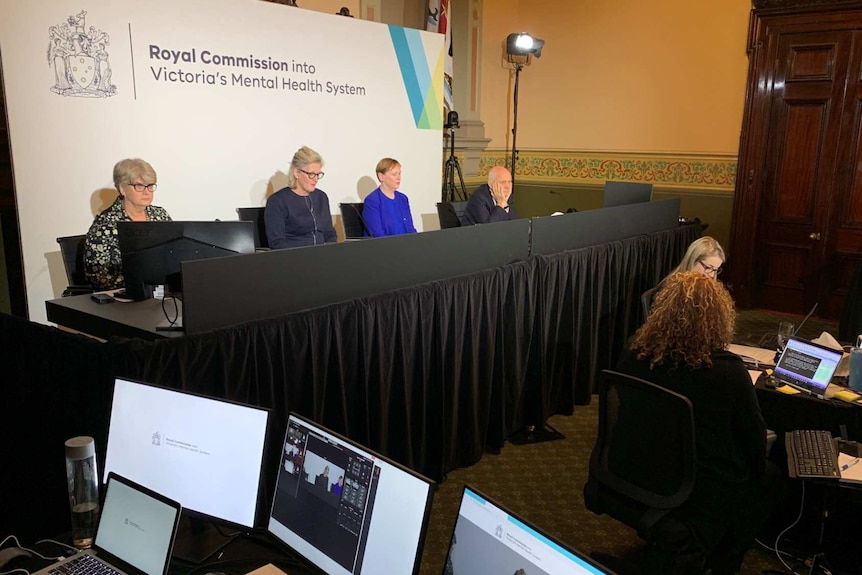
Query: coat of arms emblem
x,y
79,58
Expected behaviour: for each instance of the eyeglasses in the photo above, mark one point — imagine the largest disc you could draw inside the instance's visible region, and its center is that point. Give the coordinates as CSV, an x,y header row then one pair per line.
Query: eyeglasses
x,y
711,271
312,175
142,187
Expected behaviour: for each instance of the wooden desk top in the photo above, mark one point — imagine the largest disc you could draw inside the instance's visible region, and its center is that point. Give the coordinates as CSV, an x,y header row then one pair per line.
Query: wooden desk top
x,y
118,319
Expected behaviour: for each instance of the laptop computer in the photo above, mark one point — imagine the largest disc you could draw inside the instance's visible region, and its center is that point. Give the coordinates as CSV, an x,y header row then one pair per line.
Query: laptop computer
x,y
489,539
807,366
135,534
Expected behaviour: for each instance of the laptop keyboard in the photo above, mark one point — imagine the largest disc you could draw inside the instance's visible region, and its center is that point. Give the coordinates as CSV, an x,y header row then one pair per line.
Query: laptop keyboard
x,y
84,564
811,453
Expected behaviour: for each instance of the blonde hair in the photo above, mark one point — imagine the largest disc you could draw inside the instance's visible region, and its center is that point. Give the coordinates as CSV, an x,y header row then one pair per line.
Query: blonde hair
x,y
697,251
691,317
300,161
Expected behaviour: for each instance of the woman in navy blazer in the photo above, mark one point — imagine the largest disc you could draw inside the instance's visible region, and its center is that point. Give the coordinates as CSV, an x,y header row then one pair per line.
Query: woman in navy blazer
x,y
387,211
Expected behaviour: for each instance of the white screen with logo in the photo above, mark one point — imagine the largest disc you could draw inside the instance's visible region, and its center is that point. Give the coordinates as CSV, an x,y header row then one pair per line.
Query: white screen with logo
x,y
136,528
205,453
345,509
489,540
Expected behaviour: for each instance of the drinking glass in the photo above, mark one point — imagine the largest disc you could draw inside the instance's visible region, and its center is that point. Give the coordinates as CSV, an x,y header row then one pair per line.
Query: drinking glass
x,y
785,330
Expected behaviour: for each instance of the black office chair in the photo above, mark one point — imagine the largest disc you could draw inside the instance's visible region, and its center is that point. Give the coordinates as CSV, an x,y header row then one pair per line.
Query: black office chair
x,y
642,466
646,301
255,215
451,214
72,250
351,219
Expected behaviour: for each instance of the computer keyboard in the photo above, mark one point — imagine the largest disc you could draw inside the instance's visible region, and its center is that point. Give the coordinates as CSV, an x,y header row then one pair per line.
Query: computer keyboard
x,y
811,453
84,564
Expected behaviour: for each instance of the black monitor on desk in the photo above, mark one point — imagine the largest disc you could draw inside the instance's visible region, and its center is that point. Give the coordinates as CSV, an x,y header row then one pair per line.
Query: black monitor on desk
x,y
205,452
152,251
624,193
346,509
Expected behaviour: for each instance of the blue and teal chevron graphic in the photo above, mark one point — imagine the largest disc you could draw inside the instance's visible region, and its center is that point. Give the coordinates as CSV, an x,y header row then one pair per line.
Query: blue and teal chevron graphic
x,y
424,89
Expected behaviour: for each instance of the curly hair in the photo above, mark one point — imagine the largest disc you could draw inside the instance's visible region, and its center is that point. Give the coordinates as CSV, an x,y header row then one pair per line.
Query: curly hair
x,y
691,317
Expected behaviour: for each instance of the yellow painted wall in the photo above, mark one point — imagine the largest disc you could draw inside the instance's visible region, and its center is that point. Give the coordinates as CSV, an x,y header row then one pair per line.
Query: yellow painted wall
x,y
638,75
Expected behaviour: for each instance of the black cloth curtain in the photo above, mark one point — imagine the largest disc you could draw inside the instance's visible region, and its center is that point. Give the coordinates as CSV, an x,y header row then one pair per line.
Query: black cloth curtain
x,y
55,386
590,306
431,375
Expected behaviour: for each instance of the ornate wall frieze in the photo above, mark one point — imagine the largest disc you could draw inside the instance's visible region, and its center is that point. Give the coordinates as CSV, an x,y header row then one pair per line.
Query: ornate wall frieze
x,y
702,171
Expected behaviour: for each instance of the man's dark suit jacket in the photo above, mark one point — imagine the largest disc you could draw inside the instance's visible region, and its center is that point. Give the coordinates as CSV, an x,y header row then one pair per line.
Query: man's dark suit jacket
x,y
481,208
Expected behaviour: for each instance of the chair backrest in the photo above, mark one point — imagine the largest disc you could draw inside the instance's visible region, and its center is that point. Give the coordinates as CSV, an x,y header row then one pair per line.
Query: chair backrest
x,y
643,462
646,301
351,219
255,215
72,250
451,214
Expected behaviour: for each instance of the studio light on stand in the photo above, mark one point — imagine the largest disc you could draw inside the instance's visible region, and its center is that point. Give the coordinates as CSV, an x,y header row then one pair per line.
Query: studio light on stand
x,y
520,49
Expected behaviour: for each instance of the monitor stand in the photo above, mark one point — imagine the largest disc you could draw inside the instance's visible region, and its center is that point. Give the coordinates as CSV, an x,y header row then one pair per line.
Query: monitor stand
x,y
198,540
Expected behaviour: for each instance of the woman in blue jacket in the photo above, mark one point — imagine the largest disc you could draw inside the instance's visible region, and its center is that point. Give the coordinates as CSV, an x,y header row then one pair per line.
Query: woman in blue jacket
x,y
387,211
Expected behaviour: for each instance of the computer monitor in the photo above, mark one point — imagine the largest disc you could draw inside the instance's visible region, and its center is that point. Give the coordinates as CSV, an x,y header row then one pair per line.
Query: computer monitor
x,y
624,193
346,509
152,251
205,453
488,540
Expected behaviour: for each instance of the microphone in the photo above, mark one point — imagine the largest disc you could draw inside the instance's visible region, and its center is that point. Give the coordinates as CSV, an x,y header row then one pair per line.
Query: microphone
x,y
361,220
795,331
569,210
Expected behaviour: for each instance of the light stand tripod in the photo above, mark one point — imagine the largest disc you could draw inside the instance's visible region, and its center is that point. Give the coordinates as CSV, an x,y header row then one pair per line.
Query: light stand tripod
x,y
518,67
452,167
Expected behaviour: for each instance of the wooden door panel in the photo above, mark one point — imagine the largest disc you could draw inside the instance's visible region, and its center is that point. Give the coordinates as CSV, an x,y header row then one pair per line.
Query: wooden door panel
x,y
812,61
797,168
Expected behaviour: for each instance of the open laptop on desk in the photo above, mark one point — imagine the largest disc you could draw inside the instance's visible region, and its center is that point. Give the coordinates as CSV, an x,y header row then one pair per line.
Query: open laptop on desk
x,y
807,366
489,540
135,535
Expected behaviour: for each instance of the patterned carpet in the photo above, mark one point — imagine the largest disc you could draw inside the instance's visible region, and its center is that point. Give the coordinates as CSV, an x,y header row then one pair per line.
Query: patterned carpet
x,y
543,482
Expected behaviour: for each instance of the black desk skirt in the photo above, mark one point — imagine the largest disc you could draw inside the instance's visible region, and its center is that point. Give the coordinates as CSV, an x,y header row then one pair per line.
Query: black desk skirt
x,y
784,412
431,375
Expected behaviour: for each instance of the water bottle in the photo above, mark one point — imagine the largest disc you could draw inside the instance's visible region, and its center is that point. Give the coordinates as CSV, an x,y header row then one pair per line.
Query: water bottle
x,y
83,480
856,365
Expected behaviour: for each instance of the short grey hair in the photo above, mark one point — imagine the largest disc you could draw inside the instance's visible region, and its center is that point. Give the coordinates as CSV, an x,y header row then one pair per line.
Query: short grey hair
x,y
127,170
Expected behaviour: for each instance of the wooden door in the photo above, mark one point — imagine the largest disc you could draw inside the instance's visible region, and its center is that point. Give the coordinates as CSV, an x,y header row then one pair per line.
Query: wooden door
x,y
844,244
794,258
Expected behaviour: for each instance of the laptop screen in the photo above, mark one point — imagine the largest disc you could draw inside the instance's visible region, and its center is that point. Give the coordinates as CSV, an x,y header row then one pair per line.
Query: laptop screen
x,y
346,509
137,526
807,365
488,539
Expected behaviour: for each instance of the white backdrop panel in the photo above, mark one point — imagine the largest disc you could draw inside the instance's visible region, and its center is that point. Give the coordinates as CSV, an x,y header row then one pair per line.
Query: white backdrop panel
x,y
220,135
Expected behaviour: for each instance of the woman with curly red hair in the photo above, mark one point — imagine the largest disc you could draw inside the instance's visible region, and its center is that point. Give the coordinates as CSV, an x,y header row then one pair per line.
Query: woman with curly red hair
x,y
682,347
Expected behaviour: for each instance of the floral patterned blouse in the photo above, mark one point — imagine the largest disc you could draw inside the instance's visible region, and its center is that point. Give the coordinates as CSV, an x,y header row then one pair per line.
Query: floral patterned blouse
x,y
102,262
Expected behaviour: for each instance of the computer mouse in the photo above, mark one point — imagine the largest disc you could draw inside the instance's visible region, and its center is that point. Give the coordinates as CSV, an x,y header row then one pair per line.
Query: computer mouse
x,y
773,382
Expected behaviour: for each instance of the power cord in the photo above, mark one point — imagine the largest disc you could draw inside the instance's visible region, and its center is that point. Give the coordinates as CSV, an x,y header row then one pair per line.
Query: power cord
x,y
36,553
176,314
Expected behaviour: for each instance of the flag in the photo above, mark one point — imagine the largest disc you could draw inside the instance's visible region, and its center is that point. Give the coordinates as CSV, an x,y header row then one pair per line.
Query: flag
x,y
439,21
